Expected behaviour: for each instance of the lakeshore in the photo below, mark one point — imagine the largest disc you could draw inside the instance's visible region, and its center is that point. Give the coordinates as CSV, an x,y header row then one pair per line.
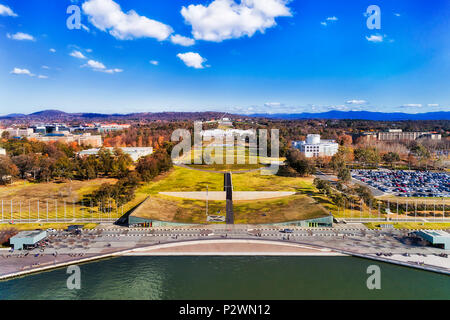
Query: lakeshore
x,y
229,277
195,242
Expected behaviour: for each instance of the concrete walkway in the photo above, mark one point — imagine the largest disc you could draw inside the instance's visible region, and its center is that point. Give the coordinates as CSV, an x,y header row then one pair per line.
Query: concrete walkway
x,y
232,248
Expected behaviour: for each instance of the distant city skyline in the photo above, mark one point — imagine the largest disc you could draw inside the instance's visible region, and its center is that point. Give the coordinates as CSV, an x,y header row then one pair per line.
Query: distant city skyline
x,y
259,56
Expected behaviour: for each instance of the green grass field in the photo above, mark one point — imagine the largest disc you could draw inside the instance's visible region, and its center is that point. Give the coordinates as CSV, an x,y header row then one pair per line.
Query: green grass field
x,y
182,179
167,208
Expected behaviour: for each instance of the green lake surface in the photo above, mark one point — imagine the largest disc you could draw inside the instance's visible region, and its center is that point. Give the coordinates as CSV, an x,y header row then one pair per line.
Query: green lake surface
x,y
165,278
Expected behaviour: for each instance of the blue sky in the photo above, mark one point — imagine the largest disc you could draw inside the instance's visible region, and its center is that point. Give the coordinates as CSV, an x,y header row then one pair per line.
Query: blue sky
x,y
224,55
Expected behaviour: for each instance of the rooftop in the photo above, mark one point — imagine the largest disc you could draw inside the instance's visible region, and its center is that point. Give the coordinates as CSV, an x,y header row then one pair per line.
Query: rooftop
x,y
27,234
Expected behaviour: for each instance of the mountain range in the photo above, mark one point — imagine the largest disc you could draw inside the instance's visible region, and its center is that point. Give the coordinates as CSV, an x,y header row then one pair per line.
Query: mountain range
x,y
56,115
360,115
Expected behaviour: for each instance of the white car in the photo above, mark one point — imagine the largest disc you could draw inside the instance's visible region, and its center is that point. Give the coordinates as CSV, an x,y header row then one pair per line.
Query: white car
x,y
51,230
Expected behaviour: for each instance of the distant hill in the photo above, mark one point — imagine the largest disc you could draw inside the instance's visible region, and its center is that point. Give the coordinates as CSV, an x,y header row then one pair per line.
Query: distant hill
x,y
49,113
56,115
359,115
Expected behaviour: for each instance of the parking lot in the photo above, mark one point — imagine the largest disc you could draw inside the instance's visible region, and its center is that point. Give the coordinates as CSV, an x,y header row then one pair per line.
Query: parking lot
x,y
406,183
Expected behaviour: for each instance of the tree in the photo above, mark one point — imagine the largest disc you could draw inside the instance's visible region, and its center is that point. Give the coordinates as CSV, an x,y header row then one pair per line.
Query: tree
x,y
323,186
63,168
121,164
344,175
345,140
150,166
105,161
86,167
391,157
8,170
367,155
300,163
421,153
26,163
365,194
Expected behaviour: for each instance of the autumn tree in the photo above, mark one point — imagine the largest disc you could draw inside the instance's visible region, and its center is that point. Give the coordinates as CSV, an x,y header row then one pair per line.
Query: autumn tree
x,y
8,170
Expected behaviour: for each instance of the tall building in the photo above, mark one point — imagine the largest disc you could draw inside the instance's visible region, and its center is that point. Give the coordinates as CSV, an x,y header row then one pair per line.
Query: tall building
x,y
315,147
85,139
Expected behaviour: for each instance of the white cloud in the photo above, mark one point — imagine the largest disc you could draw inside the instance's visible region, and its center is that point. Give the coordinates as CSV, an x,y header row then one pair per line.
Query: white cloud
x,y
273,104
6,11
107,15
98,66
412,105
375,38
20,36
397,14
110,70
225,19
95,64
85,28
181,40
433,105
19,71
42,77
192,59
45,67
355,101
154,62
52,50
332,19
77,54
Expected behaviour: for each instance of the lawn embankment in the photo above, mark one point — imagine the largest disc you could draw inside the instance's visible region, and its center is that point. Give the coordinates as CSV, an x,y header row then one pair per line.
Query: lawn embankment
x,y
412,225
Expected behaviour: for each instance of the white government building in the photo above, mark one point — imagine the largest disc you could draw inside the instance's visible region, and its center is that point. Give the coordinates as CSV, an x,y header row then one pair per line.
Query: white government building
x,y
315,147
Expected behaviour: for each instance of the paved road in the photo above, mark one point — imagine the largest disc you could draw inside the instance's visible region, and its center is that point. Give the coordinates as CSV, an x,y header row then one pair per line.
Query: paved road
x,y
228,188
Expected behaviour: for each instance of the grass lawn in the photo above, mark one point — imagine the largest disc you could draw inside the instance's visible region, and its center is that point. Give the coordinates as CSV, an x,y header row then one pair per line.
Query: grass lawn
x,y
182,179
295,207
166,208
227,167
24,200
254,181
412,225
240,155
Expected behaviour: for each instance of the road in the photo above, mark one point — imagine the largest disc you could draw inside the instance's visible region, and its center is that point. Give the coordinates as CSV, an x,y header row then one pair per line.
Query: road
x,y
228,188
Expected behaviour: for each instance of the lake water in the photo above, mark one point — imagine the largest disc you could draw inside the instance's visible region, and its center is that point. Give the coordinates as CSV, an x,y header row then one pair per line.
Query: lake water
x,y
230,278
